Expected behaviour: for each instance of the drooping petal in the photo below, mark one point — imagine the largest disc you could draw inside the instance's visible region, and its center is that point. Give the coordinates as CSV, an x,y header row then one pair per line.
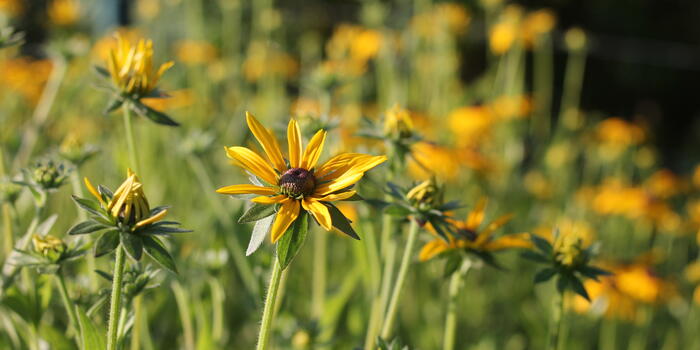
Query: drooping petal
x,y
519,240
313,150
319,211
294,143
337,196
288,212
161,214
252,162
93,191
268,142
246,189
269,200
476,216
493,226
431,249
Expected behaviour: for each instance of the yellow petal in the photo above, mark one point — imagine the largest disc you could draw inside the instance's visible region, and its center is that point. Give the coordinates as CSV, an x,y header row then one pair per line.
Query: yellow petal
x,y
94,192
319,211
338,184
294,143
493,226
476,216
288,212
337,196
245,189
252,162
520,240
269,200
313,150
347,175
431,249
268,142
152,219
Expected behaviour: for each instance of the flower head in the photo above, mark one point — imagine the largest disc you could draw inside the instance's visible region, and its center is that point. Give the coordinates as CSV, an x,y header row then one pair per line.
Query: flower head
x,y
49,246
131,67
473,236
298,183
398,124
48,175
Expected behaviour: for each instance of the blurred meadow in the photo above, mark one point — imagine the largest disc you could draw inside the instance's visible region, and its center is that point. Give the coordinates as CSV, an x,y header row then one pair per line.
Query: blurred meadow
x,y
523,203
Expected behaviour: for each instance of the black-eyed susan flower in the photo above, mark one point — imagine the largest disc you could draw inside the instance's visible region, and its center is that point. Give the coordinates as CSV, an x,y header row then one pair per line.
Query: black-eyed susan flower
x,y
134,76
297,185
473,236
128,219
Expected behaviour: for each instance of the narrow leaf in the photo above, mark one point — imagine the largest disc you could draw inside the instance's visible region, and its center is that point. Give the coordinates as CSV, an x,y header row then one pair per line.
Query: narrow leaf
x,y
133,244
150,113
155,249
341,222
260,231
541,244
84,227
292,240
256,212
91,336
544,275
106,243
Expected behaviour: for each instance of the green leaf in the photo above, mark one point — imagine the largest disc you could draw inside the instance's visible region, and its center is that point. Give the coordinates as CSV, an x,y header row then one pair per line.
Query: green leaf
x,y
541,244
452,264
90,205
114,104
156,250
102,71
578,287
545,275
260,230
106,243
150,113
593,272
292,240
133,244
91,337
84,227
162,230
534,256
256,212
562,283
340,222
105,192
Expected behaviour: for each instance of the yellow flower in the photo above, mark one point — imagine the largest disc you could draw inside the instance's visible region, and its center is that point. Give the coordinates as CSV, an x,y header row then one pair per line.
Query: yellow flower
x,y
398,123
471,124
128,203
471,238
537,23
432,160
195,51
264,60
664,184
511,107
503,34
11,7
297,182
64,12
131,67
26,76
617,132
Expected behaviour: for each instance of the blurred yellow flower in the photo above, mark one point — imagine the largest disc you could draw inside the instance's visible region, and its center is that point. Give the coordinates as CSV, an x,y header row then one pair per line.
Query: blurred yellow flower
x,y
11,7
696,176
131,67
503,34
575,39
510,107
471,236
195,51
537,184
471,125
25,76
429,160
264,60
664,184
354,42
448,16
398,123
617,132
176,99
64,12
537,23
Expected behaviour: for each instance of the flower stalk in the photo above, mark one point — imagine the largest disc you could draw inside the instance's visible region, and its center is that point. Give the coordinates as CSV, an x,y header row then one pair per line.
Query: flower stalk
x,y
115,299
456,282
270,302
133,159
67,303
555,327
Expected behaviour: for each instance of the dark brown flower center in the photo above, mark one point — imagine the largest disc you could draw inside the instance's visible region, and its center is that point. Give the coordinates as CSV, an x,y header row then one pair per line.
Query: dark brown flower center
x,y
297,182
467,234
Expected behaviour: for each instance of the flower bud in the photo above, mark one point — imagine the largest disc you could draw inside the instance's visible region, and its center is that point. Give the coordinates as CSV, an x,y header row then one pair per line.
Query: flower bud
x,y
426,195
398,124
49,175
568,250
49,246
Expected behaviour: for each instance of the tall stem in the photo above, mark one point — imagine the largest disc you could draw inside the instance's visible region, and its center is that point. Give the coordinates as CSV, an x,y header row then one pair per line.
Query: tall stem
x,y
67,303
400,279
318,280
451,318
116,298
269,309
555,326
133,159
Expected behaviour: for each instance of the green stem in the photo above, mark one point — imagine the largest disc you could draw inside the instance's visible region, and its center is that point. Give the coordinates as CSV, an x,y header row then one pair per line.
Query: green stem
x,y
400,280
451,318
555,326
268,310
183,305
318,280
133,159
116,298
69,305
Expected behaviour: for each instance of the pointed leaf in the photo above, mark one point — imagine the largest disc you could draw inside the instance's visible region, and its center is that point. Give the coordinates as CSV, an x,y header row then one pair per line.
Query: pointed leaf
x,y
106,243
260,231
578,287
256,212
113,104
544,275
541,244
534,256
340,222
292,240
150,113
88,204
88,226
156,250
397,210
133,244
91,336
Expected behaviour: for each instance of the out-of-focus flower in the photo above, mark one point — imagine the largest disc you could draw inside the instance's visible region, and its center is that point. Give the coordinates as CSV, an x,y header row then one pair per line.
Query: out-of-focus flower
x,y
148,9
176,99
354,42
692,275
428,159
664,184
537,184
696,176
131,67
64,12
49,246
511,107
11,7
397,123
426,195
266,60
504,33
471,125
537,23
619,133
575,39
448,16
620,294
195,51
102,49
9,37
472,237
75,150
25,76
